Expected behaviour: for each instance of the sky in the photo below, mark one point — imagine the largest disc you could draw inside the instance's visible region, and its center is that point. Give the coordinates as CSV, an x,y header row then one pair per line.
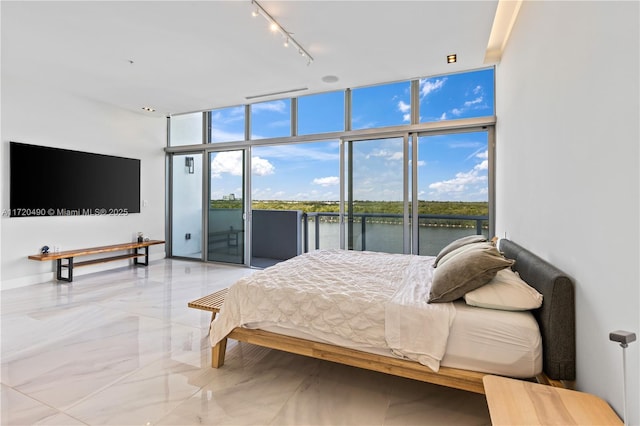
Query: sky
x,y
450,167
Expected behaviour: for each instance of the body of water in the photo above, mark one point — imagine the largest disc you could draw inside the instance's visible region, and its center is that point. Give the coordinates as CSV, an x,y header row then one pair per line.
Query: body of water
x,y
389,237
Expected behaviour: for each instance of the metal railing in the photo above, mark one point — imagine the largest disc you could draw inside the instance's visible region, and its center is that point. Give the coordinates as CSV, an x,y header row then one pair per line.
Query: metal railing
x,y
363,223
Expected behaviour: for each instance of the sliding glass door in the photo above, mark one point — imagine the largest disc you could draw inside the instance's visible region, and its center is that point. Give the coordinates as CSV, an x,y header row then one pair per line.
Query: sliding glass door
x,y
375,194
226,218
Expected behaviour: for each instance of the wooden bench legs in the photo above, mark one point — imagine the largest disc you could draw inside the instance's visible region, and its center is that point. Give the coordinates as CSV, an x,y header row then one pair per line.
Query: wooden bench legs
x,y
212,303
218,352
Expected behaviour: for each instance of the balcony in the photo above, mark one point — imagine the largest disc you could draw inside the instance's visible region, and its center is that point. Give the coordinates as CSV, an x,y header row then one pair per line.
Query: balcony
x,y
281,234
384,231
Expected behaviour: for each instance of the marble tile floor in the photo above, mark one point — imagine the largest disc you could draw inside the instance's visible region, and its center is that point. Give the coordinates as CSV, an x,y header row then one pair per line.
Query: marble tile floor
x,y
121,347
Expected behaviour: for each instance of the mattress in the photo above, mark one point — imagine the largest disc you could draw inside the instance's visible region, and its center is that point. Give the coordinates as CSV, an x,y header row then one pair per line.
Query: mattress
x,y
485,340
376,302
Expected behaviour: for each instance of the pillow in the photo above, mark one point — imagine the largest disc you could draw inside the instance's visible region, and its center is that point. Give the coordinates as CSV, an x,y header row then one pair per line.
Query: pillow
x,y
473,246
467,270
458,243
507,292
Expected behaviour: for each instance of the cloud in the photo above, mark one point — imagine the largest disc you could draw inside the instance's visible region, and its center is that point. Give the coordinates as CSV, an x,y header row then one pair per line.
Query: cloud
x,y
279,123
484,156
473,102
227,115
325,151
477,103
459,183
405,109
327,181
484,165
383,153
272,106
481,153
231,162
463,180
430,85
223,136
261,166
358,123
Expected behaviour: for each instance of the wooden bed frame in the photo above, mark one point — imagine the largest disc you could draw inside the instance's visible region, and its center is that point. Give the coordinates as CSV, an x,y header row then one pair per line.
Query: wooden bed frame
x,y
556,319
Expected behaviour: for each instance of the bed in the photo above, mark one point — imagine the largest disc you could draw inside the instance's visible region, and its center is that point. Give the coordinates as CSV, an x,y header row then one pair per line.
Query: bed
x,y
375,318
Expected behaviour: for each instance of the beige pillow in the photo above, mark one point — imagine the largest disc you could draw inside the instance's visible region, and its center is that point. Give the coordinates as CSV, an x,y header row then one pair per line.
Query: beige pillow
x,y
507,292
470,239
466,270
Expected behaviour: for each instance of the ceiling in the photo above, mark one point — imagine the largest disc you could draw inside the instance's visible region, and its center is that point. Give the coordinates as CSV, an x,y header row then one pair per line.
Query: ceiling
x,y
183,56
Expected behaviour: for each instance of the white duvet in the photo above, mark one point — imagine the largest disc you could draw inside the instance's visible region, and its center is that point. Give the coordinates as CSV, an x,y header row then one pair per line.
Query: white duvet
x,y
372,299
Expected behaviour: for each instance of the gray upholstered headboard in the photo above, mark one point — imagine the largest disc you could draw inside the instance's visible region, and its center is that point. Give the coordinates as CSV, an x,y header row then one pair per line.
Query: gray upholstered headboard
x,y
556,316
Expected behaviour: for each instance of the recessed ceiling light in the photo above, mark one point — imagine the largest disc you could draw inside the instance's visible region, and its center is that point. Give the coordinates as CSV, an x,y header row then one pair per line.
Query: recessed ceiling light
x,y
330,78
452,58
148,109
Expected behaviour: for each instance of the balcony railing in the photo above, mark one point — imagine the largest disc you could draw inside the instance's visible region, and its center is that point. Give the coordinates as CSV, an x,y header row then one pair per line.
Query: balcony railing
x,y
480,223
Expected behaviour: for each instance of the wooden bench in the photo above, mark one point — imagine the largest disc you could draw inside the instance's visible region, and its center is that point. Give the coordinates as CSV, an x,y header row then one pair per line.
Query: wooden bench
x,y
212,303
69,255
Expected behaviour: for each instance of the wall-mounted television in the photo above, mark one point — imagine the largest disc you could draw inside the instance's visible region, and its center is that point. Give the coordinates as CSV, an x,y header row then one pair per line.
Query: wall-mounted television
x,y
47,181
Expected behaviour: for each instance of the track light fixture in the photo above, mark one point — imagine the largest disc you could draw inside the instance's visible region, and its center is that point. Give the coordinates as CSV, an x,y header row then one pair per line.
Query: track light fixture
x,y
276,27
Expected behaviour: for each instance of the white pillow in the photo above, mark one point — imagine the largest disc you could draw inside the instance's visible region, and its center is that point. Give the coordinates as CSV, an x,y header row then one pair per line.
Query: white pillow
x,y
507,292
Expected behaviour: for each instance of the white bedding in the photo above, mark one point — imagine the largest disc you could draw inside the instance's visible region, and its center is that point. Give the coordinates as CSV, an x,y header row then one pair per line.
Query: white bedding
x,y
369,298
376,302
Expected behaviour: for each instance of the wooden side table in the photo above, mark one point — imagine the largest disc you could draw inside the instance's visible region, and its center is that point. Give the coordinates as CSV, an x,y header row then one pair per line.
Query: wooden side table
x,y
518,402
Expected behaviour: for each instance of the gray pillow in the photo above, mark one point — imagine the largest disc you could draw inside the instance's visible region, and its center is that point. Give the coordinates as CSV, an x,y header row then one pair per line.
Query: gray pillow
x,y
465,271
470,239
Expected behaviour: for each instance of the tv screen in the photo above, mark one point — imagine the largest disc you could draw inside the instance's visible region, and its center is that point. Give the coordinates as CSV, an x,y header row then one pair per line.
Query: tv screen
x,y
46,181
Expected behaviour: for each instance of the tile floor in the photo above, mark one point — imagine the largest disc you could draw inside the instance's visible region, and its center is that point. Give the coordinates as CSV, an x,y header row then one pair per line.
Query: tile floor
x,y
121,347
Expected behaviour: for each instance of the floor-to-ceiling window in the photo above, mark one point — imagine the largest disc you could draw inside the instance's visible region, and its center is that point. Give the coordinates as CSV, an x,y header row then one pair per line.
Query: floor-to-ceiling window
x,y
303,177
226,207
452,188
375,194
186,205
186,173
400,167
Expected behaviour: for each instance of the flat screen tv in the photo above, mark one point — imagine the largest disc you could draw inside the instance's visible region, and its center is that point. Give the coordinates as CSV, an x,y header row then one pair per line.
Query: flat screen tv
x,y
46,181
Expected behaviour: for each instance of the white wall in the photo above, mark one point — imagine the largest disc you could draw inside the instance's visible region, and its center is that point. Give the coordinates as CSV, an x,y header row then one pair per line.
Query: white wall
x,y
567,169
42,116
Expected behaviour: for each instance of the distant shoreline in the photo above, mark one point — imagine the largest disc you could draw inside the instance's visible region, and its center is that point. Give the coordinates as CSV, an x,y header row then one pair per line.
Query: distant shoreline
x,y
461,208
391,208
